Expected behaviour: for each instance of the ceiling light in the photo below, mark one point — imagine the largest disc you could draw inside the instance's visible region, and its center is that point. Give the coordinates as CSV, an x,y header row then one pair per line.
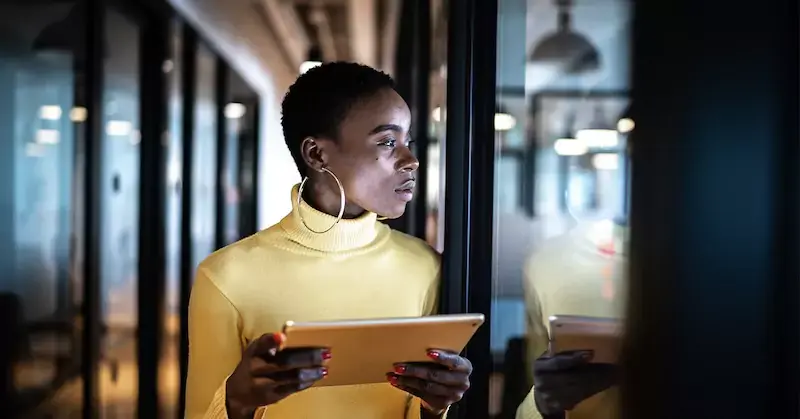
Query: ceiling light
x,y
625,125
565,47
504,121
605,161
234,110
78,114
436,115
118,128
50,112
314,59
599,134
570,147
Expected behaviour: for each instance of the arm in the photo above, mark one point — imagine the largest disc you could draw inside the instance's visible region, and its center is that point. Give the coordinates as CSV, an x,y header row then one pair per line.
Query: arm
x,y
215,348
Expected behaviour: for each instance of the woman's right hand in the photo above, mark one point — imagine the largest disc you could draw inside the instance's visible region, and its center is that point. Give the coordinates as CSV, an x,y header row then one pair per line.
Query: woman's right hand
x,y
266,374
563,380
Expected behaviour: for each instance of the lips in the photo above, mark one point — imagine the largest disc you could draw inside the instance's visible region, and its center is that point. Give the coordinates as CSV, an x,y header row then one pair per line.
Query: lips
x,y
407,186
406,190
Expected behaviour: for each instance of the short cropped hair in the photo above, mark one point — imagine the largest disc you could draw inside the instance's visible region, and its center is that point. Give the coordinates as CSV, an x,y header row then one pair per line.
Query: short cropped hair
x,y
319,100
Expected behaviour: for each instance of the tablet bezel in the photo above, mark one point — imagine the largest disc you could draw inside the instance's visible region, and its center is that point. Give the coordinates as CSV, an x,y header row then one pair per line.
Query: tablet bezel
x,y
364,351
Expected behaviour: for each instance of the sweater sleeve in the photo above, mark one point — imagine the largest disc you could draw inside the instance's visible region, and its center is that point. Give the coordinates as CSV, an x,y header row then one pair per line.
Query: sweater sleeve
x,y
215,348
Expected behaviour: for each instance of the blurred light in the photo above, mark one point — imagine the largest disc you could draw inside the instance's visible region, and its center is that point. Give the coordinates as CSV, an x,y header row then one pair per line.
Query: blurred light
x,y
570,147
167,66
598,138
606,161
34,150
78,114
50,112
504,121
625,125
234,110
437,114
136,137
308,65
118,128
47,136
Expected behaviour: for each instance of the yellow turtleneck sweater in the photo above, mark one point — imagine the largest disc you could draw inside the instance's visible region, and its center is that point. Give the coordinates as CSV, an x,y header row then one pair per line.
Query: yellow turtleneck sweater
x,y
359,269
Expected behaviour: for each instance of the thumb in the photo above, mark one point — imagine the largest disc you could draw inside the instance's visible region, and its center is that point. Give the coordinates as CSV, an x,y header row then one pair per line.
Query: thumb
x,y
267,344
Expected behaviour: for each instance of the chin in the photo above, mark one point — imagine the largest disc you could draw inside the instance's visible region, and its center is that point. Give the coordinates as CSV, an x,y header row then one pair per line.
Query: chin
x,y
392,213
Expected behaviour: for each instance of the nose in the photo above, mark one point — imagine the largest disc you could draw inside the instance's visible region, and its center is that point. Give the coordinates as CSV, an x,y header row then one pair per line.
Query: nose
x,y
408,162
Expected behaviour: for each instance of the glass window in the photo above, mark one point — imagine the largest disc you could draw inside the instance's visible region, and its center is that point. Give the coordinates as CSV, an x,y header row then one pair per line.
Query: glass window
x,y
119,238
560,181
434,202
204,170
169,371
41,213
240,158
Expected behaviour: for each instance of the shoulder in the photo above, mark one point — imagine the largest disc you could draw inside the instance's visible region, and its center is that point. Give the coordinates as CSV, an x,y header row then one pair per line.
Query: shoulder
x,y
415,248
240,260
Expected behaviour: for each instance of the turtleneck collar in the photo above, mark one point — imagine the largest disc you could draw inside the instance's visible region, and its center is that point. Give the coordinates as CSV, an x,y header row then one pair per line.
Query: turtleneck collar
x,y
347,234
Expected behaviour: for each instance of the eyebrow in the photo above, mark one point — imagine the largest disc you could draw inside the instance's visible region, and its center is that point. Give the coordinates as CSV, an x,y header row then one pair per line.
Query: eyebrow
x,y
386,127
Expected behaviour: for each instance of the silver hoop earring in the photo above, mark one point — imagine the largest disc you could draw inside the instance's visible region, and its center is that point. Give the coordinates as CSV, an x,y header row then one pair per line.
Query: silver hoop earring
x,y
341,205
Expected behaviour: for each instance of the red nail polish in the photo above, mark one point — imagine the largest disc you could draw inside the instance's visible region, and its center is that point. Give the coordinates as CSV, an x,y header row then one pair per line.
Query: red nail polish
x,y
324,372
326,354
279,338
400,369
393,380
433,355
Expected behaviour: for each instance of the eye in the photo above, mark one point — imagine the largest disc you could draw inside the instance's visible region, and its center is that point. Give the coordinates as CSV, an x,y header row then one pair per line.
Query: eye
x,y
389,142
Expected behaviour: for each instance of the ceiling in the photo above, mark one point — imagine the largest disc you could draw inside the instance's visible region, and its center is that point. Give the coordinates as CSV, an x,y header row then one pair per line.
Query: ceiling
x,y
351,30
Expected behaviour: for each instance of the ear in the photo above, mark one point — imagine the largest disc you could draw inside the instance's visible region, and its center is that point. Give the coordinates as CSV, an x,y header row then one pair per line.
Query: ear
x,y
313,152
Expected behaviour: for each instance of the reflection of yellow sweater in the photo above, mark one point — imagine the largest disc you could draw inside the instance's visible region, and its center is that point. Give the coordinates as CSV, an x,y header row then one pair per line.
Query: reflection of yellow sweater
x,y
580,273
360,269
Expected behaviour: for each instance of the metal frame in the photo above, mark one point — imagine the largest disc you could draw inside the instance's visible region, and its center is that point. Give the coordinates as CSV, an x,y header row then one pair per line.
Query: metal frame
x,y
188,83
221,97
155,48
412,72
94,76
469,196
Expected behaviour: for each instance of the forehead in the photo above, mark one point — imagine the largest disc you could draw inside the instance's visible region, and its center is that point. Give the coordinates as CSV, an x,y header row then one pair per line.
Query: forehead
x,y
384,108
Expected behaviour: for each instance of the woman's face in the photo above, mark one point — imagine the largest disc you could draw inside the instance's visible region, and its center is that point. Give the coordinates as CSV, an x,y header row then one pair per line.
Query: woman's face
x,y
371,158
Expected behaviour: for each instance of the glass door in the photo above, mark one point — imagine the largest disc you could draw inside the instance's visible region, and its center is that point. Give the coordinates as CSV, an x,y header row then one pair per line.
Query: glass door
x,y
119,194
41,232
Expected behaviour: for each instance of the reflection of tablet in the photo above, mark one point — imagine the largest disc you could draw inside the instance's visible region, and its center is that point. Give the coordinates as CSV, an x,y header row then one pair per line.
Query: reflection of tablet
x,y
364,351
602,335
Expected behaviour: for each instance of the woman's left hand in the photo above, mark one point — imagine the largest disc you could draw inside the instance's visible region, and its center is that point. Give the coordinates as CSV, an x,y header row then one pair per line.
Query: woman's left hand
x,y
438,384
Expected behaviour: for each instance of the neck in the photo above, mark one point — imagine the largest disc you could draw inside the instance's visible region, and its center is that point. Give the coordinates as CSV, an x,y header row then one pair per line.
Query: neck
x,y
328,199
344,235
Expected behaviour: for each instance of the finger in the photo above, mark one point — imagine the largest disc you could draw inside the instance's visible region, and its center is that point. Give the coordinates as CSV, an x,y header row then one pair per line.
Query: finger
x,y
450,360
426,388
562,361
266,344
302,358
434,373
432,401
299,375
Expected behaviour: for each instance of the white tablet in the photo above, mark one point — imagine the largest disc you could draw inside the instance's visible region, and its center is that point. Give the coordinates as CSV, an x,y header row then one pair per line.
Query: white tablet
x,y
601,335
364,351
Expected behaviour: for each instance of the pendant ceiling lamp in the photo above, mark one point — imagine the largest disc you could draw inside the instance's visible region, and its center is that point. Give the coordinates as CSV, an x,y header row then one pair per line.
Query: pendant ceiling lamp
x,y
600,133
565,47
314,59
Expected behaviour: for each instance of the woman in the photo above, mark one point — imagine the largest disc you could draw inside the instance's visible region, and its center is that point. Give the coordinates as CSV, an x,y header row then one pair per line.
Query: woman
x,y
348,132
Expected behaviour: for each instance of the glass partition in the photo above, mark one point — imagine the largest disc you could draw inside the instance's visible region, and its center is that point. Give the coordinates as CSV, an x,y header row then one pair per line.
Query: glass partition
x,y
560,212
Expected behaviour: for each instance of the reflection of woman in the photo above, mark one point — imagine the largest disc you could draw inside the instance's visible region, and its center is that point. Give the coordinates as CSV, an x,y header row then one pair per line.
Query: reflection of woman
x,y
347,130
579,273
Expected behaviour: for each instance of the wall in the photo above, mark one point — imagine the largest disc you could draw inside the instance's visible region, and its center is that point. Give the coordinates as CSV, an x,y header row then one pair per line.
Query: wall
x,y
235,30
